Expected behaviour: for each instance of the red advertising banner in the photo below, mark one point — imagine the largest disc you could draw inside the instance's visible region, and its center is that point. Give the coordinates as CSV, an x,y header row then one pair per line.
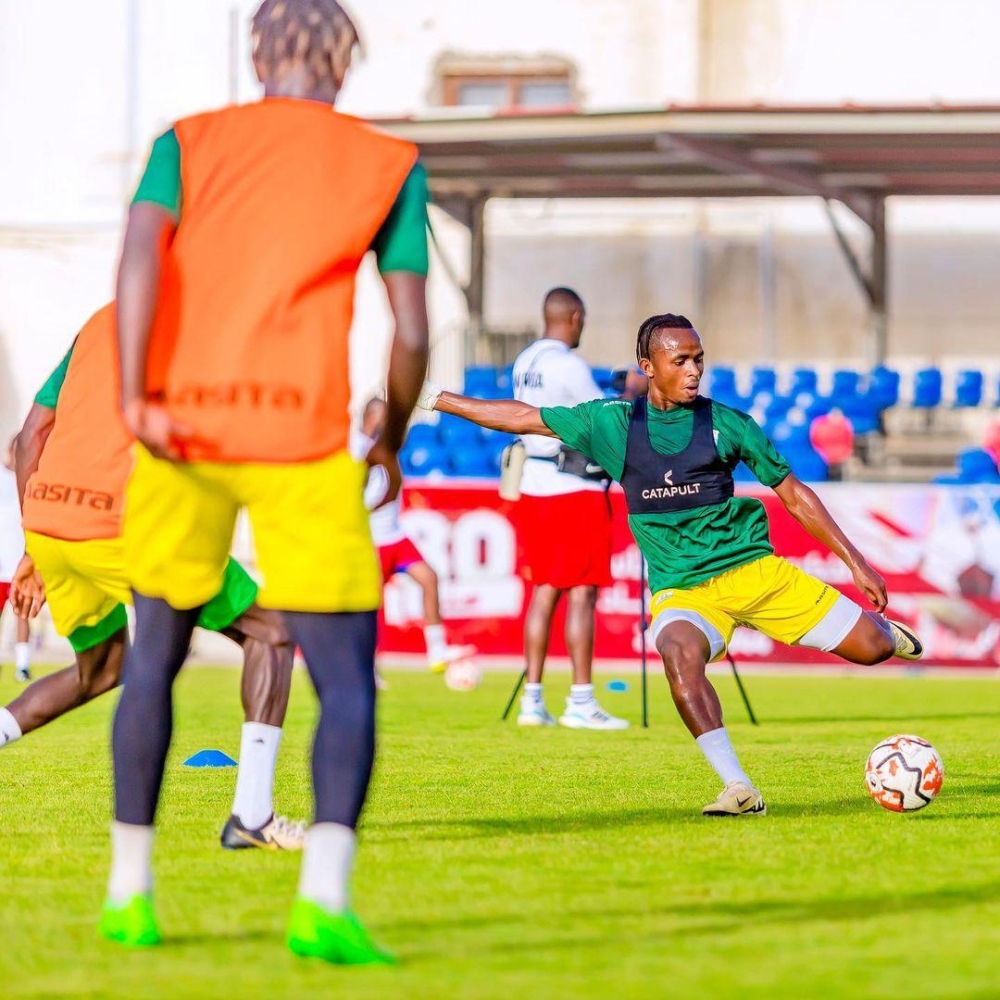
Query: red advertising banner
x,y
938,548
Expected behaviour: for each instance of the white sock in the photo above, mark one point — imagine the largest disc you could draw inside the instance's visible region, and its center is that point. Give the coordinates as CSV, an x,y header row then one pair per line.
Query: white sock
x,y
22,655
716,747
581,694
533,693
9,729
254,799
327,860
437,645
131,862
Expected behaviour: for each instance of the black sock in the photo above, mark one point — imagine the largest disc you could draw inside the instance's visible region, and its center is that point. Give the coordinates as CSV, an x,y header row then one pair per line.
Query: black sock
x,y
339,650
140,736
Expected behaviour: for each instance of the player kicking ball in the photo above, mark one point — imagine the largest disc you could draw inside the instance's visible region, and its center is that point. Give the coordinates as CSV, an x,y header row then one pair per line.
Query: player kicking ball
x,y
73,456
398,554
711,564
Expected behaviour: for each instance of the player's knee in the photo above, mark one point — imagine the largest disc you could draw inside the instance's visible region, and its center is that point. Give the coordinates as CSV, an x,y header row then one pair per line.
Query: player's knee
x,y
681,658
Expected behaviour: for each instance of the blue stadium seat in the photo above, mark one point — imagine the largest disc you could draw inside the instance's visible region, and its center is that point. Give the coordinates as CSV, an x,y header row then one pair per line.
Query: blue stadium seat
x,y
505,382
863,413
423,460
480,381
807,465
883,387
762,380
473,462
845,383
977,466
742,474
602,376
454,432
927,389
803,380
968,389
721,381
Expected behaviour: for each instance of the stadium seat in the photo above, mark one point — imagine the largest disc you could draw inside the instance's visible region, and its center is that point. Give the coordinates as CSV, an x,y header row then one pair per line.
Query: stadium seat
x,y
968,389
845,384
480,381
977,466
862,411
804,380
476,461
807,465
927,389
454,432
762,380
721,381
422,461
602,376
883,387
421,436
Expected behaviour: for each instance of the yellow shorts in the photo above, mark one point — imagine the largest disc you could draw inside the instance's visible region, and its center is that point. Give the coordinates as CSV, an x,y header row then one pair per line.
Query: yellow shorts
x,y
769,595
86,588
85,585
309,522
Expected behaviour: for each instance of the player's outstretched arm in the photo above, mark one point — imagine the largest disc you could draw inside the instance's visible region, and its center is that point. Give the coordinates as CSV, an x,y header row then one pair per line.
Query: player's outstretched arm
x,y
29,443
807,508
497,414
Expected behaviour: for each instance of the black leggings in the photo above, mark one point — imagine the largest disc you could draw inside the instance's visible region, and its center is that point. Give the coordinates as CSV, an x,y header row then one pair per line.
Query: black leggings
x,y
340,653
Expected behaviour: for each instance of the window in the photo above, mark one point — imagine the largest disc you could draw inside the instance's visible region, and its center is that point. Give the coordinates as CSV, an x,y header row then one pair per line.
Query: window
x,y
506,83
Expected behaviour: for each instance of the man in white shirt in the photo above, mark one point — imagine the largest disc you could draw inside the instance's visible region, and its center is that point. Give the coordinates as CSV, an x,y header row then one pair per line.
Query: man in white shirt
x,y
563,518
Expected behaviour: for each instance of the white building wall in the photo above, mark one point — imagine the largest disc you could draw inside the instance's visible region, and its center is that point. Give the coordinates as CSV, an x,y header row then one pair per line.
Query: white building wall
x,y
84,88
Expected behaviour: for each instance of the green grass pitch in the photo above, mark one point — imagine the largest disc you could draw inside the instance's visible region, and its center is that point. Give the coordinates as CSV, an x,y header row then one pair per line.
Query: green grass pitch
x,y
508,863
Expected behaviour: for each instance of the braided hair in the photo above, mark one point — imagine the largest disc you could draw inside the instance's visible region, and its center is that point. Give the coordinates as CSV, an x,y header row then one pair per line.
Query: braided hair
x,y
317,35
666,321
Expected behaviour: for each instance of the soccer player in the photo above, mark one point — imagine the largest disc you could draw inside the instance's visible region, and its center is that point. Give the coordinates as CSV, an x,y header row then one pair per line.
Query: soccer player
x,y
73,456
711,565
398,554
11,550
235,304
563,520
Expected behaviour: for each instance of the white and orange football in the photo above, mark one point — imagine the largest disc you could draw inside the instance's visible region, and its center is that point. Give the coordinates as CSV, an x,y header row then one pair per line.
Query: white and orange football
x,y
904,773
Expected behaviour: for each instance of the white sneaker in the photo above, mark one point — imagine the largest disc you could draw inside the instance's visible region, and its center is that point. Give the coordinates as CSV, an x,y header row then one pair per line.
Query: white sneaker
x,y
737,799
23,675
534,713
589,716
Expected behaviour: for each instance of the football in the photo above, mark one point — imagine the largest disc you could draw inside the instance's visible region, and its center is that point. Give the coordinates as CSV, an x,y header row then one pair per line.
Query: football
x,y
904,773
463,675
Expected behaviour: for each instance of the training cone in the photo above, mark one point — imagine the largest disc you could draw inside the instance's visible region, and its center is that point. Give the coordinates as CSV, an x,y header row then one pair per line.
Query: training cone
x,y
210,758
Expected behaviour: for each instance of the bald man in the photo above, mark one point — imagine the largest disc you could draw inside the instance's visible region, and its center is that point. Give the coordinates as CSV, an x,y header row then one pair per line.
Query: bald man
x,y
563,519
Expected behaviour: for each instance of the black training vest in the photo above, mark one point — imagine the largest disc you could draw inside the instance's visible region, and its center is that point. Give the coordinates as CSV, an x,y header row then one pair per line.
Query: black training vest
x,y
658,484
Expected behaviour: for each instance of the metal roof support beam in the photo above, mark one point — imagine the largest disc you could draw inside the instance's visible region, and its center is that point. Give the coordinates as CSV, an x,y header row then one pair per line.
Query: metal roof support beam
x,y
476,288
874,280
783,180
880,285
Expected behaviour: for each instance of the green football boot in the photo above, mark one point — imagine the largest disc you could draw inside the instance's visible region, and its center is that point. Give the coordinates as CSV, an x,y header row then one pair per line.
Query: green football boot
x,y
338,938
133,924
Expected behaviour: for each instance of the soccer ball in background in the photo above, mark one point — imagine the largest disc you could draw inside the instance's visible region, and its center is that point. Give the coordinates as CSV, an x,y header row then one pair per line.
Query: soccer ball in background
x,y
463,675
904,773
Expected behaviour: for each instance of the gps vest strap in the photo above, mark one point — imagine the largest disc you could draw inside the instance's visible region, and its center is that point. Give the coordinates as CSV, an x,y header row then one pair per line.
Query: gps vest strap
x,y
695,477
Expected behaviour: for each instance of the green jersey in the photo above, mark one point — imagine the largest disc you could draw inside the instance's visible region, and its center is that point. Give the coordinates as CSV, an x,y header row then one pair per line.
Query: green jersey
x,y
682,548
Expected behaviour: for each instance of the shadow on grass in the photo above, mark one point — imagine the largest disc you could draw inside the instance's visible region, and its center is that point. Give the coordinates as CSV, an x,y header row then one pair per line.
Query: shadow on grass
x,y
887,718
703,919
473,827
